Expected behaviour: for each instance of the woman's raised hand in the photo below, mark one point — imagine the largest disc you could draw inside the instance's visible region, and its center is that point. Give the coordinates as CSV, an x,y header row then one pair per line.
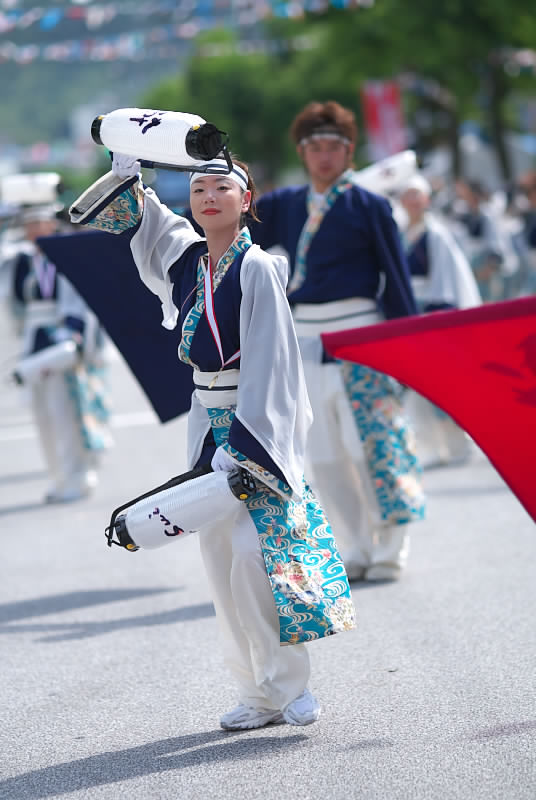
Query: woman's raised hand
x,y
125,166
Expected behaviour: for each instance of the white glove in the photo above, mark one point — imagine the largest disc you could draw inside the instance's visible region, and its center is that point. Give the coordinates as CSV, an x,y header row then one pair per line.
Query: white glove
x,y
221,461
125,166
62,334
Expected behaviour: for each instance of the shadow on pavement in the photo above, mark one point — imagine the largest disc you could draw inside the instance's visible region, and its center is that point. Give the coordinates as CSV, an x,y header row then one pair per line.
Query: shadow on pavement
x,y
69,631
514,729
19,477
70,601
368,744
360,583
157,757
23,507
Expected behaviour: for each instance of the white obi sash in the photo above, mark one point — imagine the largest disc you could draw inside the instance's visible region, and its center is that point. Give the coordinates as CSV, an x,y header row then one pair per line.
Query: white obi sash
x,y
40,313
217,389
312,319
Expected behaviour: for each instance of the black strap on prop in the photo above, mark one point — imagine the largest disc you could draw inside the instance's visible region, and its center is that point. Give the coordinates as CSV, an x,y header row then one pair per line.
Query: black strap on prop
x,y
178,479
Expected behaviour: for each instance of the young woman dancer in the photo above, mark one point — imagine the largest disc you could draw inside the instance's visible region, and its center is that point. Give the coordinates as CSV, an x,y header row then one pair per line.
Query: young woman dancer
x,y
273,566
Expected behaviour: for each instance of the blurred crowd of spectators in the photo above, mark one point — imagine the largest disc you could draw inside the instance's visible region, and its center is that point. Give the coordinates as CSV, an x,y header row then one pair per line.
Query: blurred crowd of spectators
x,y
496,231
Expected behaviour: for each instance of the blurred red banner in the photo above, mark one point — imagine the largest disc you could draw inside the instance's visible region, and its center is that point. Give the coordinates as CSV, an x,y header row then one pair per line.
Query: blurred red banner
x,y
384,118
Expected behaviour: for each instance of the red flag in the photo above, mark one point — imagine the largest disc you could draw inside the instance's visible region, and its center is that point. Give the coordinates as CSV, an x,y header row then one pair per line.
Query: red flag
x,y
478,365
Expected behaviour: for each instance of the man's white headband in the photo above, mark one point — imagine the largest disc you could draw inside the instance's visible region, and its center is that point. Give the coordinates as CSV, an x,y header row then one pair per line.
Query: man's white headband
x,y
237,174
326,135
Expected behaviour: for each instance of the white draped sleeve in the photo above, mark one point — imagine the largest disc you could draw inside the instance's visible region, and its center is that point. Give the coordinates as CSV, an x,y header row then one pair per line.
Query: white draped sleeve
x,y
159,242
273,404
450,279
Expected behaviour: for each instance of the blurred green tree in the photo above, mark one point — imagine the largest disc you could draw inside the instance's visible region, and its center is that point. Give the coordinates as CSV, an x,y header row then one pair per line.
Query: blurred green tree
x,y
461,45
456,46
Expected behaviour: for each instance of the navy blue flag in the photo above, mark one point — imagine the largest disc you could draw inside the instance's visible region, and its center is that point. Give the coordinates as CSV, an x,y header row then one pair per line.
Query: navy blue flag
x,y
101,268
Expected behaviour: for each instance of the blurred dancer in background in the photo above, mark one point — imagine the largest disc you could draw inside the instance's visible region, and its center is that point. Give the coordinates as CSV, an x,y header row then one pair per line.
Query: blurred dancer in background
x,y
479,234
70,405
347,270
527,189
442,279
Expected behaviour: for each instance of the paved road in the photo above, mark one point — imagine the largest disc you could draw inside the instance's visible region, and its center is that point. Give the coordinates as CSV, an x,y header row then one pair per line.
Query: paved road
x,y
113,680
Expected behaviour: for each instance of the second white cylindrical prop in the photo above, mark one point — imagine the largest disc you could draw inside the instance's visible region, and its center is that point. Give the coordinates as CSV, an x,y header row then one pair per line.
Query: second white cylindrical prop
x,y
388,175
181,510
31,188
56,358
168,137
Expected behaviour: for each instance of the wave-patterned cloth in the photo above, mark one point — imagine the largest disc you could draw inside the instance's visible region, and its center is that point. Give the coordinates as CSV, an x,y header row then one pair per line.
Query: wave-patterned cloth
x,y
88,389
388,443
238,246
120,213
307,576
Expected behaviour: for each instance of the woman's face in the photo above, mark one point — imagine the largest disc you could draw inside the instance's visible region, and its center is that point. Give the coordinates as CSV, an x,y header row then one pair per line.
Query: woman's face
x,y
217,202
415,203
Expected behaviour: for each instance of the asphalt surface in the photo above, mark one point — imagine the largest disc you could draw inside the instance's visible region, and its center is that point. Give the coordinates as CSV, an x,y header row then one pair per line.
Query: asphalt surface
x,y
112,674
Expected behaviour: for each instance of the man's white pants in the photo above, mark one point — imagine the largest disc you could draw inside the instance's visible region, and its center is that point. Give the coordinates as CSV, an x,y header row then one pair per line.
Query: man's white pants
x,y
342,477
267,675
439,439
69,462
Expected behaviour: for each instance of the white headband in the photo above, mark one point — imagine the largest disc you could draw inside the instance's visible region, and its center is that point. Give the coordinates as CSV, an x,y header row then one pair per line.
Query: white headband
x,y
237,174
326,135
40,213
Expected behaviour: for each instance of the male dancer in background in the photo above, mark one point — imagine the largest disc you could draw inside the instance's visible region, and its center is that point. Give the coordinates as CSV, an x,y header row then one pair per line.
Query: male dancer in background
x,y
347,270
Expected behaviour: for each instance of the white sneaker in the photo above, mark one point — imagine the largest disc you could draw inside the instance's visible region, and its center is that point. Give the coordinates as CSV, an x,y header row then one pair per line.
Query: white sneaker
x,y
244,718
67,495
383,572
304,710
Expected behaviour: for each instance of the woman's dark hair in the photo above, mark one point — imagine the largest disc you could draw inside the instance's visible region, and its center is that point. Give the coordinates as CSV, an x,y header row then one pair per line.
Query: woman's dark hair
x,y
252,211
328,117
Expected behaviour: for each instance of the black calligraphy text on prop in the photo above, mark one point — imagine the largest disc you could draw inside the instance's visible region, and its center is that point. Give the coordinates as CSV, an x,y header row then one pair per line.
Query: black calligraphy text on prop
x,y
478,365
163,139
185,504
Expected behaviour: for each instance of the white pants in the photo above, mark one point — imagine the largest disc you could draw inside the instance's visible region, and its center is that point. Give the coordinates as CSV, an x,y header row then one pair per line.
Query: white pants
x,y
267,675
342,478
68,461
439,439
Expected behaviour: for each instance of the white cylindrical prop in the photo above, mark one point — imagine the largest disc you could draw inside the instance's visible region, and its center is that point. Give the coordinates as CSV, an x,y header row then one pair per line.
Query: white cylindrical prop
x,y
165,137
26,189
388,175
56,358
175,513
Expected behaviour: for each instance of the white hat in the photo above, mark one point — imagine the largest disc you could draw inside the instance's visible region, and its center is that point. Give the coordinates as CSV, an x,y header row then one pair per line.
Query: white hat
x,y
30,188
417,182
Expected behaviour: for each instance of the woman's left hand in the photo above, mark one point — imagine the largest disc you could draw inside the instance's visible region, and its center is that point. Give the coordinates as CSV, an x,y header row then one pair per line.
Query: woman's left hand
x,y
221,461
